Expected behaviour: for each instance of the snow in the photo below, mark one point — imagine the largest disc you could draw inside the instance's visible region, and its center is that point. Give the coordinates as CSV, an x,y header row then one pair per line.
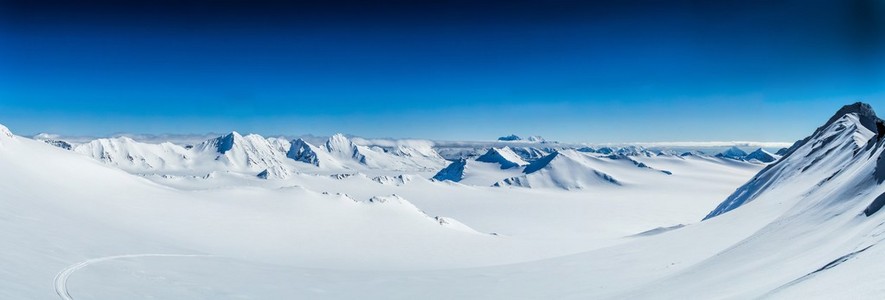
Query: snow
x,y
782,151
393,180
567,170
5,133
574,170
403,156
275,226
568,225
762,156
301,150
733,153
453,172
503,156
836,141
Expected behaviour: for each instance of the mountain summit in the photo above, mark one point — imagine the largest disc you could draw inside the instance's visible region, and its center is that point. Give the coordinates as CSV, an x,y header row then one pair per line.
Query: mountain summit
x,y
761,155
504,156
863,111
843,154
733,153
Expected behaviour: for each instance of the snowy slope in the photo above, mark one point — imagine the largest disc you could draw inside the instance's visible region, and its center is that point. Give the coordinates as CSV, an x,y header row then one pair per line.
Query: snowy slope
x,y
502,156
816,159
799,230
807,226
61,208
796,222
804,228
566,169
574,170
130,155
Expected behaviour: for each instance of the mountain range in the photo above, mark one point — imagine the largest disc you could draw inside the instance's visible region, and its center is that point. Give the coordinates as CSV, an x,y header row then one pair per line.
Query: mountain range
x,y
244,216
277,158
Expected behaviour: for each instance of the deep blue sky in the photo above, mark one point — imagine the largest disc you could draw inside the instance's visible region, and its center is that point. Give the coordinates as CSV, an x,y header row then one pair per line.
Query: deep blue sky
x,y
567,70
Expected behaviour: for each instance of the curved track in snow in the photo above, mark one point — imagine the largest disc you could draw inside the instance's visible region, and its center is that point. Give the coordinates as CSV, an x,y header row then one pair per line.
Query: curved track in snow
x,y
61,279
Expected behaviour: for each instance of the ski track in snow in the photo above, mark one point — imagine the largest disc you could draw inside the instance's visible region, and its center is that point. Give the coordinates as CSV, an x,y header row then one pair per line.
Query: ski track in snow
x,y
61,279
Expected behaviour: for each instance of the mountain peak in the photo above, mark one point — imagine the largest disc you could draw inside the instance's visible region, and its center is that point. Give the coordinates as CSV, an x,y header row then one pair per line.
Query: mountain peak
x,y
510,138
859,108
339,142
503,156
564,169
761,155
226,143
816,159
300,150
864,111
453,172
734,153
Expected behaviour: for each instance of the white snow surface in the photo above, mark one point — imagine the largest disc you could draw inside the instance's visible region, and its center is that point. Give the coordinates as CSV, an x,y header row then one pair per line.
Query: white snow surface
x,y
806,226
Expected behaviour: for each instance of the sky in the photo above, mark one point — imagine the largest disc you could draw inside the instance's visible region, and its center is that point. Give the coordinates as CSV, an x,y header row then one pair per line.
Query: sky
x,y
573,71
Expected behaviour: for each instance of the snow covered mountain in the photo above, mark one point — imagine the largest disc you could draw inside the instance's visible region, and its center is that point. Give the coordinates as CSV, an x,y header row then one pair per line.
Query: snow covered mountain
x,y
301,150
757,156
733,153
478,172
340,152
847,141
570,169
453,172
502,156
565,169
130,155
761,155
53,140
254,155
278,158
251,154
807,226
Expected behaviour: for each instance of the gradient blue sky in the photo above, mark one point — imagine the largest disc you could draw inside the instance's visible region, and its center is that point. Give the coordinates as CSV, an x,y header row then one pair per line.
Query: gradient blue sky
x,y
573,71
